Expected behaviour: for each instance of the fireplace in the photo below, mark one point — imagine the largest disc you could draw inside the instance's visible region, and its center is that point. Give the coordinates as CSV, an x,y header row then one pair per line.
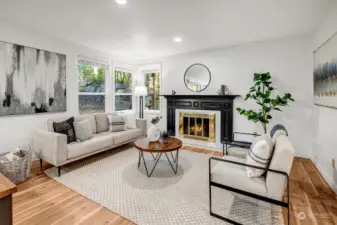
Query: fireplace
x,y
197,126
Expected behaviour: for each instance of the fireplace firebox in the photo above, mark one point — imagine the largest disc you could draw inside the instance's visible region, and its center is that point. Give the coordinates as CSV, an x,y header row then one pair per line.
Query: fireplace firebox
x,y
197,126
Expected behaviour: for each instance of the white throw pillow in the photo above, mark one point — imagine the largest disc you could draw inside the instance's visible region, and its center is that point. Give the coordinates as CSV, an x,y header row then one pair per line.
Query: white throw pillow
x,y
83,130
130,121
259,155
116,123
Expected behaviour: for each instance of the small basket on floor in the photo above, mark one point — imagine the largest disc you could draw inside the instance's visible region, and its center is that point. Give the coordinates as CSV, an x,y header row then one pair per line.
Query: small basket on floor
x,y
17,170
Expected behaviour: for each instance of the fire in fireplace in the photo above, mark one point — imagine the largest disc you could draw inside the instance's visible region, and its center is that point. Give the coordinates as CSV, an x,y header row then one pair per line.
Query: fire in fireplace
x,y
197,126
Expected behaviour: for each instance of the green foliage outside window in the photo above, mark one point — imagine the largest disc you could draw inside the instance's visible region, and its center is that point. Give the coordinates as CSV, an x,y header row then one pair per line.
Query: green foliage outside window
x,y
123,82
91,80
152,83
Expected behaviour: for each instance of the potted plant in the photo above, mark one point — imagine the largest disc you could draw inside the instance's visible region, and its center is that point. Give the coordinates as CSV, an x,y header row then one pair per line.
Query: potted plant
x,y
153,133
261,92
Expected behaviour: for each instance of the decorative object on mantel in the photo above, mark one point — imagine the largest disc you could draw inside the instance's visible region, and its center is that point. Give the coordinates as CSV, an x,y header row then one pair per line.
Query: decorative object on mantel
x,y
325,74
141,91
164,137
261,92
197,77
173,92
224,90
31,80
153,133
218,91
16,165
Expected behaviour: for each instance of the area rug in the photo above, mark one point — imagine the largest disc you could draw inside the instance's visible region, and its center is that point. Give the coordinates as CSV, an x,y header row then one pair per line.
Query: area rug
x,y
114,180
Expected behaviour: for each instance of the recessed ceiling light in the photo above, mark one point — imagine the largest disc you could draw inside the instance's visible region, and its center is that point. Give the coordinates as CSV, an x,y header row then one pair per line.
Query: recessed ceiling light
x,y
121,2
177,39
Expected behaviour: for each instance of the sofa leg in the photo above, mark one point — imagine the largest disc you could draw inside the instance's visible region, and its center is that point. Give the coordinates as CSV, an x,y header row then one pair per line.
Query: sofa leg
x,y
41,164
59,171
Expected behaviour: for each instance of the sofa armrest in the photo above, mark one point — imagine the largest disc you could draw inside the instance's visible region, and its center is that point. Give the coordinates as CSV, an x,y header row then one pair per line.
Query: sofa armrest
x,y
50,146
142,124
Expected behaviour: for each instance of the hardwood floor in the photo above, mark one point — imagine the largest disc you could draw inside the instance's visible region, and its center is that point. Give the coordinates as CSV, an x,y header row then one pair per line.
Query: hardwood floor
x,y
42,201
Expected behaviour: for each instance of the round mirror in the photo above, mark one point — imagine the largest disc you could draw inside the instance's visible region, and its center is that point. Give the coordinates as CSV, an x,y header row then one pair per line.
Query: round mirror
x,y
197,77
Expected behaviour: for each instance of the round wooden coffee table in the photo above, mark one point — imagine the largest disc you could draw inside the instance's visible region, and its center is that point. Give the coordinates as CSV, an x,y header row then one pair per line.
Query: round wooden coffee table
x,y
157,149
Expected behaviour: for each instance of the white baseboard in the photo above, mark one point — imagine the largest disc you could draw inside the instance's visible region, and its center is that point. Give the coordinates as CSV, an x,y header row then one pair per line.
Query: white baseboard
x,y
302,155
325,176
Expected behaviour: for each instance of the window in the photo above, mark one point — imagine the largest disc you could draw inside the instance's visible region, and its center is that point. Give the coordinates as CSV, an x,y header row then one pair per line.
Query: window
x,y
123,90
152,83
91,87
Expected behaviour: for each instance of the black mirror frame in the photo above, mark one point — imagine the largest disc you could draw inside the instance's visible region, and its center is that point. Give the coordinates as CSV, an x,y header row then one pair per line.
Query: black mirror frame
x,y
209,72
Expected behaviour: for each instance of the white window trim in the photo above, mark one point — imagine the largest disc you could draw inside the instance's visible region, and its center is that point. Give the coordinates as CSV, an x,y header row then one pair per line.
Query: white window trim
x,y
97,62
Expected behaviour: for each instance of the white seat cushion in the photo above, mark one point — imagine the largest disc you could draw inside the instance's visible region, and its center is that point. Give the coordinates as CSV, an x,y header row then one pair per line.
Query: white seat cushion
x,y
235,176
121,137
98,142
237,152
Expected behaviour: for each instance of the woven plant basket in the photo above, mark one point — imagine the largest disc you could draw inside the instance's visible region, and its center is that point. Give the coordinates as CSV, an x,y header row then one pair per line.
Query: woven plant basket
x,y
17,170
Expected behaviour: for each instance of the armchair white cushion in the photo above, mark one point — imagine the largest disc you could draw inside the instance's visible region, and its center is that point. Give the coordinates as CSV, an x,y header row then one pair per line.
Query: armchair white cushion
x,y
235,176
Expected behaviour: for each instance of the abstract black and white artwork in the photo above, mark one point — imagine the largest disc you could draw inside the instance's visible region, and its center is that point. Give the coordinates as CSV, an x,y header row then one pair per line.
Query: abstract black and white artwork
x,y
31,80
325,74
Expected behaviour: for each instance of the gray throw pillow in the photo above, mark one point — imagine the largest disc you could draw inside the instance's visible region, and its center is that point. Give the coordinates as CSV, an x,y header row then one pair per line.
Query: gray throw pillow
x,y
83,130
102,122
116,123
259,154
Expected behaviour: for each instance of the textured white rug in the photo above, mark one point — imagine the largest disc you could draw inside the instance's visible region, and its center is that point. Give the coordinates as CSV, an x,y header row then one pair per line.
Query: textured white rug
x,y
113,180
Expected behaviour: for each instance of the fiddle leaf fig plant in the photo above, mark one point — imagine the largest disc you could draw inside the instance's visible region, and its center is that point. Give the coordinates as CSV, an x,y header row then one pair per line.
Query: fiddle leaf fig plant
x,y
261,92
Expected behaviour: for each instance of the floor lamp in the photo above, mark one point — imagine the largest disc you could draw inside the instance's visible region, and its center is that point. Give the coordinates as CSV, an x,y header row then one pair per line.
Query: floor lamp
x,y
141,91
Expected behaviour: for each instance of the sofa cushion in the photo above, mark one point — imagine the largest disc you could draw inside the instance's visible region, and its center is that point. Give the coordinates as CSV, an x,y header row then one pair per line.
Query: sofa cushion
x,y
66,127
235,176
116,123
83,130
121,137
89,117
102,122
130,121
50,122
98,142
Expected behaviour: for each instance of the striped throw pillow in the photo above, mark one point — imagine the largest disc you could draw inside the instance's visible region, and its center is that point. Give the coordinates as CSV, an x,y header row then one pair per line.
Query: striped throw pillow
x,y
259,154
116,123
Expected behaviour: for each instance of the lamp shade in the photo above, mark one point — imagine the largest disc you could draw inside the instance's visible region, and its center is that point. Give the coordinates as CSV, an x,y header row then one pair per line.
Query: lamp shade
x,y
140,91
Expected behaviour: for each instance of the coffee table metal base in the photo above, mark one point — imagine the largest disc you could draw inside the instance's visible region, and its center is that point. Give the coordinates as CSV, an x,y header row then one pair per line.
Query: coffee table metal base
x,y
157,158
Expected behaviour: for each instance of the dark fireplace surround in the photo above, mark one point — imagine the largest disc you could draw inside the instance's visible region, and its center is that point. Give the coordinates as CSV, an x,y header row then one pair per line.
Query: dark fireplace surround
x,y
222,103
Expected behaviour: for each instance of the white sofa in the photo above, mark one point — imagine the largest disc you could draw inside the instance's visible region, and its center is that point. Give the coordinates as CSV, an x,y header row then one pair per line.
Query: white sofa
x,y
53,148
229,173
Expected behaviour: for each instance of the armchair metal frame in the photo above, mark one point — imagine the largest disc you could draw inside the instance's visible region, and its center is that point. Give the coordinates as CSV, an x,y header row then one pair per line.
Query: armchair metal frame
x,y
245,193
232,142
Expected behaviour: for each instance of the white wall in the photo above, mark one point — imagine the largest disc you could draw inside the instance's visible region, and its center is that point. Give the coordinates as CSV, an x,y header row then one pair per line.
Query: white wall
x,y
18,130
290,63
325,141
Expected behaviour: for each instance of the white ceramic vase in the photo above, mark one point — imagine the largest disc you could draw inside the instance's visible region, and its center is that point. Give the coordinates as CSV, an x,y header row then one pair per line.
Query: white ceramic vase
x,y
153,133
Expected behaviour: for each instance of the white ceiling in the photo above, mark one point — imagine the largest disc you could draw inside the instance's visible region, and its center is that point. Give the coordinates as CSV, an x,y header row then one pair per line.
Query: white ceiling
x,y
146,28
